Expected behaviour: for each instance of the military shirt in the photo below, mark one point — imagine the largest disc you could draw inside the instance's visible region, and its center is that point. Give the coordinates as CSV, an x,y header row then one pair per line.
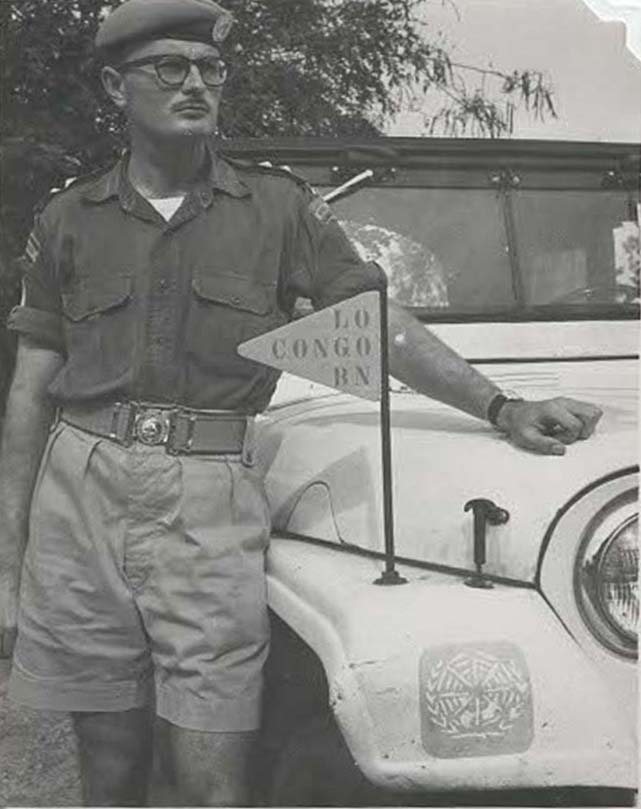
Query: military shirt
x,y
151,310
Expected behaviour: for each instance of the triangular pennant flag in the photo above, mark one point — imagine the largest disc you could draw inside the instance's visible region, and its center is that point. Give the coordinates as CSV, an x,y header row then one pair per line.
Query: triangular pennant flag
x,y
339,346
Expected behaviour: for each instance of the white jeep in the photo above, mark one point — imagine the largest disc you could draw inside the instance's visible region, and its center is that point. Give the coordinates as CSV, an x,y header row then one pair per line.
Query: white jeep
x,y
504,669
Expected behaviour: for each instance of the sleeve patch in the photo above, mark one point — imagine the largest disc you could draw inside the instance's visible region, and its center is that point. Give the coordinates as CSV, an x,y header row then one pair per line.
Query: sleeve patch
x,y
321,210
32,250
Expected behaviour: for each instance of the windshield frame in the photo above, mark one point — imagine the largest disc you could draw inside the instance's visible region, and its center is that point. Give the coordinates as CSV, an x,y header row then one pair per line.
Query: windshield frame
x,y
503,166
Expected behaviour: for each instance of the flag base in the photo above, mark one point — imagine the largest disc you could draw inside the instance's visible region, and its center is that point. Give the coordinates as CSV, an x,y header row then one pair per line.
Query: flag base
x,y
390,577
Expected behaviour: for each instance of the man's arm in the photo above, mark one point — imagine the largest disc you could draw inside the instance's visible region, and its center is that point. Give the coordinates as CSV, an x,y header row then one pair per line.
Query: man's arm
x,y
421,361
327,268
24,435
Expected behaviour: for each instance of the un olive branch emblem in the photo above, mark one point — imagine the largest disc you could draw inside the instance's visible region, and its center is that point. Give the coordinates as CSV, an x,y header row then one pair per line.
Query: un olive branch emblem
x,y
475,695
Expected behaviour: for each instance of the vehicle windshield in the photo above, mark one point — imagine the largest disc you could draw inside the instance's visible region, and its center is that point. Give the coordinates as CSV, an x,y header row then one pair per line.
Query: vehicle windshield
x,y
476,252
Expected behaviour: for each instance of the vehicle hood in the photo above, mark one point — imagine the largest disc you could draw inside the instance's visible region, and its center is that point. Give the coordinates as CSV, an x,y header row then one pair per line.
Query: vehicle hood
x,y
322,466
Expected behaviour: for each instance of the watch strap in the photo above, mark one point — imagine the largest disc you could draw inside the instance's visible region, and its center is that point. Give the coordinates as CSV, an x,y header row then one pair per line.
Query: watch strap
x,y
494,408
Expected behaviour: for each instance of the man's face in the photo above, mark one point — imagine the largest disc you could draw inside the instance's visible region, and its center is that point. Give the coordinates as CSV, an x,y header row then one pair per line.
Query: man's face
x,y
158,111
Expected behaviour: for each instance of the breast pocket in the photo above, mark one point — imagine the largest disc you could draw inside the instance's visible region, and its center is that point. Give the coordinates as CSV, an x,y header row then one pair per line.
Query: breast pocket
x,y
228,309
99,325
92,296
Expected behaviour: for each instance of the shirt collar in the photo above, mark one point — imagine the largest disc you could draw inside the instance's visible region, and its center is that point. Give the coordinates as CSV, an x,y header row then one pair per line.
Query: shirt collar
x,y
223,176
220,175
106,186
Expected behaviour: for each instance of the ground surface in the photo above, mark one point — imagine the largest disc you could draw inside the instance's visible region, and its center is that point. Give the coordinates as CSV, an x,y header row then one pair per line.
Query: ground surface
x,y
38,764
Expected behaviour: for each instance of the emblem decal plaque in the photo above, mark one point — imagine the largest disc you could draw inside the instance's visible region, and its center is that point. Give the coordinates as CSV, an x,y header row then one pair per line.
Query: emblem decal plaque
x,y
476,700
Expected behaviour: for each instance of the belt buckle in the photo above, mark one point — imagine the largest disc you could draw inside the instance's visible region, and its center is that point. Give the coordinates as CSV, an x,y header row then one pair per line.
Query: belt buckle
x,y
152,427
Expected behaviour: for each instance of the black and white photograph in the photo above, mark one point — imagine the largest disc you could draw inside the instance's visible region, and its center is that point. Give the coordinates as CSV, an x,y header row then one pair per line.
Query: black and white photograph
x,y
319,350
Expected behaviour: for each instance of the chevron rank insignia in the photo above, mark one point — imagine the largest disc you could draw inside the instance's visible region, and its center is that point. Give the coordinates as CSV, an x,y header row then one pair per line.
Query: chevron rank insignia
x,y
32,250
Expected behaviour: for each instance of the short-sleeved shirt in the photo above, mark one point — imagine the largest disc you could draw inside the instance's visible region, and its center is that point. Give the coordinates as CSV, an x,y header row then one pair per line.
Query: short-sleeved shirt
x,y
151,310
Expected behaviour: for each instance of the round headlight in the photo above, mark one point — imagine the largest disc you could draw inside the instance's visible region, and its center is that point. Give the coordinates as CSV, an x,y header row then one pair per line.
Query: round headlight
x,y
616,577
606,575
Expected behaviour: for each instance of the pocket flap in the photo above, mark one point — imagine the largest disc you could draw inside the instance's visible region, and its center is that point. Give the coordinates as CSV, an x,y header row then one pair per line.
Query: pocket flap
x,y
233,290
91,295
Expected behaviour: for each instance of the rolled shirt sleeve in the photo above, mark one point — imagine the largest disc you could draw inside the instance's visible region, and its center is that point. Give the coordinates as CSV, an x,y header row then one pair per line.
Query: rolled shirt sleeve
x,y
39,314
327,267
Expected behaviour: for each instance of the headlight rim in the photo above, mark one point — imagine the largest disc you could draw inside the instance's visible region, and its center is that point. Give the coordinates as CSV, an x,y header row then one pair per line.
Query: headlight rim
x,y
603,552
595,537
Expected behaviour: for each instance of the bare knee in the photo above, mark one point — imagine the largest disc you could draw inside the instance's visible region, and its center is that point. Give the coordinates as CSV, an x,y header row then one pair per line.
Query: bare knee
x,y
115,752
205,769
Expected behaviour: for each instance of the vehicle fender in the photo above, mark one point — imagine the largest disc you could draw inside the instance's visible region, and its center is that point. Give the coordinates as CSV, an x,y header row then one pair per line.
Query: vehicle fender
x,y
402,662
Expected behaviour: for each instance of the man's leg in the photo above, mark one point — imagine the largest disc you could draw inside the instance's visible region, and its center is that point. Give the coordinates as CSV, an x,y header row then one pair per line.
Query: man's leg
x,y
115,756
203,768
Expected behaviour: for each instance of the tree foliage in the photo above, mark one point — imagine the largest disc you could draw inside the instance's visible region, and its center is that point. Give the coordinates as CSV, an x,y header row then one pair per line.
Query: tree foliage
x,y
299,67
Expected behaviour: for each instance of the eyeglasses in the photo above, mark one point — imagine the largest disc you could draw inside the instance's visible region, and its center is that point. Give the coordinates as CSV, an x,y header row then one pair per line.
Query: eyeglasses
x,y
173,70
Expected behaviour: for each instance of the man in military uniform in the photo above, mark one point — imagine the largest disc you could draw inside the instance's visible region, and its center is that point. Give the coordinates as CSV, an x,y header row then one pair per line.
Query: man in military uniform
x,y
142,583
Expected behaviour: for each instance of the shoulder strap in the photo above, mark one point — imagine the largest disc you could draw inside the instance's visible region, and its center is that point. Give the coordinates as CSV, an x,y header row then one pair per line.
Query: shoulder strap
x,y
267,167
69,182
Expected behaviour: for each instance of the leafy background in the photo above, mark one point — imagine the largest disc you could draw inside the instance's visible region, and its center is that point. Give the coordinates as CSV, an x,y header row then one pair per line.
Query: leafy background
x,y
299,67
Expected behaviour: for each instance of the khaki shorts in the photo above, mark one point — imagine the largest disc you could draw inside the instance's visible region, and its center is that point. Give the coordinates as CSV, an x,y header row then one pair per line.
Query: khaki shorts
x,y
144,575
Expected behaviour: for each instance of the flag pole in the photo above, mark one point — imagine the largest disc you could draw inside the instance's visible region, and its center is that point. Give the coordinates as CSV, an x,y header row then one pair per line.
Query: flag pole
x,y
390,575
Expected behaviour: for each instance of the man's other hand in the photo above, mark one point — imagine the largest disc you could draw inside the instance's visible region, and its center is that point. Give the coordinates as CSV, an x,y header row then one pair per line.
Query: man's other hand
x,y
8,617
547,426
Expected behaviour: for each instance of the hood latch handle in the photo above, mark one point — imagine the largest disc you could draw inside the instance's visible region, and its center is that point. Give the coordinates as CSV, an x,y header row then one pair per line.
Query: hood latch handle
x,y
484,512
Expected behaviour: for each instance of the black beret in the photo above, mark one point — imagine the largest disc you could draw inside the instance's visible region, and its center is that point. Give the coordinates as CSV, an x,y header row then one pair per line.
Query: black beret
x,y
140,20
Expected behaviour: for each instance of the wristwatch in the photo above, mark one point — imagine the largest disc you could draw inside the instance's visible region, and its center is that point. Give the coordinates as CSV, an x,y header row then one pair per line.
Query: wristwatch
x,y
494,408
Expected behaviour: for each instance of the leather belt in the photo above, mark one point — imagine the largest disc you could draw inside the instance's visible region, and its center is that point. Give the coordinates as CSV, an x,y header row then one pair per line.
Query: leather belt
x,y
181,430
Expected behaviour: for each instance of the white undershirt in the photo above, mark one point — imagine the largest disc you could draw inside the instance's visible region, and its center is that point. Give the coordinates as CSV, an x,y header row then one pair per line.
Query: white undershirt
x,y
166,206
